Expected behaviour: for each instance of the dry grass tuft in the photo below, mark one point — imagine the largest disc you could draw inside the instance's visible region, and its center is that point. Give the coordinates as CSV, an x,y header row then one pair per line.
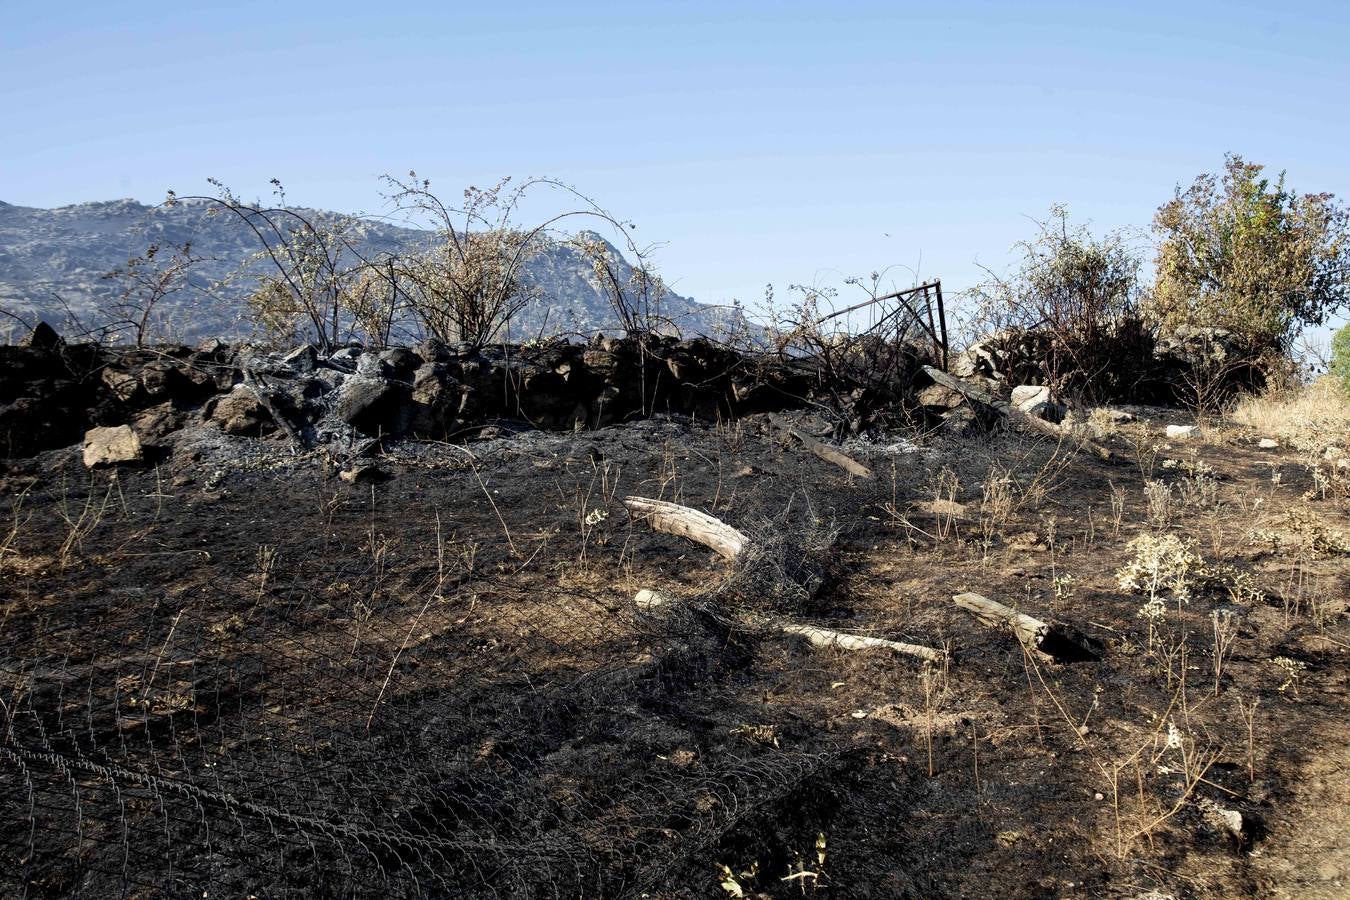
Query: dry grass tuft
x,y
1308,418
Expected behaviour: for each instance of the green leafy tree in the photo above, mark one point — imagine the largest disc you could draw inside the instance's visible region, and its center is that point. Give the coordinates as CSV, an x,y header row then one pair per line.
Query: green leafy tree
x,y
1340,357
1243,252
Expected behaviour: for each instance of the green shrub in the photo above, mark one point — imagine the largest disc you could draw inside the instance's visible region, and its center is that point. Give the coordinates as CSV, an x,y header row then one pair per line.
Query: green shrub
x,y
1242,252
1340,357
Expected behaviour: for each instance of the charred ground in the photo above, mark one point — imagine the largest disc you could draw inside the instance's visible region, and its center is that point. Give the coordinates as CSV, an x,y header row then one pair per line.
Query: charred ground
x,y
254,677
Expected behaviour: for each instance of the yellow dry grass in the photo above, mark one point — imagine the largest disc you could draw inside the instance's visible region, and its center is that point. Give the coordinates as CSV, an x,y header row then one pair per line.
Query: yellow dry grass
x,y
1309,418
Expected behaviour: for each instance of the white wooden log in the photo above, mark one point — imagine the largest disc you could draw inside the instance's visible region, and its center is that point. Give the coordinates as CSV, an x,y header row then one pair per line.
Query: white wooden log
x,y
827,637
682,521
652,601
1029,630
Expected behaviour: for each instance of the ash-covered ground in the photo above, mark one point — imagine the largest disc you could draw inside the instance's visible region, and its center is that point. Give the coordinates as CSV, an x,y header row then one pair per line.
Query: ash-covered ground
x,y
233,671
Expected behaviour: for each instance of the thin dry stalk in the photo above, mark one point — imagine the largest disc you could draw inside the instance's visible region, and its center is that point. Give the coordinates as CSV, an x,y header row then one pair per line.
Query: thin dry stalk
x,y
1225,633
488,494
1248,713
1117,508
435,595
81,525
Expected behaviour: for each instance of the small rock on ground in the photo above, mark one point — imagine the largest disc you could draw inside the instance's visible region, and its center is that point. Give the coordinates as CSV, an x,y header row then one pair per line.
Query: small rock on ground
x,y
109,446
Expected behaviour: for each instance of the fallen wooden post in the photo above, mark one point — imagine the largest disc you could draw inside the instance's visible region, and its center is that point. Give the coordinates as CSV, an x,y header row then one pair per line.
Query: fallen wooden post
x,y
827,637
1007,410
827,453
682,521
1056,642
653,601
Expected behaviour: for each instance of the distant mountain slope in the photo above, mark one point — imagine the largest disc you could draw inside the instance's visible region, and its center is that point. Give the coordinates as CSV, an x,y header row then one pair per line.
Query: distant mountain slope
x,y
52,261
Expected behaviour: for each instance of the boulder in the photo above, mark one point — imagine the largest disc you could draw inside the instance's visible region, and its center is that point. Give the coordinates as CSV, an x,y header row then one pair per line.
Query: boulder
x,y
373,406
240,413
937,396
112,445
1036,400
302,359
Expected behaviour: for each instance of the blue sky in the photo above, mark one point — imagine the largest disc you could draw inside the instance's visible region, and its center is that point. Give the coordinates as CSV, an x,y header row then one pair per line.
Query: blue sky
x,y
760,142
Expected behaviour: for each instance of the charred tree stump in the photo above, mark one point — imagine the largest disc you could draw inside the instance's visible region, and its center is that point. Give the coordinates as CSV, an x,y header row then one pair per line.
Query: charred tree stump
x,y
1055,641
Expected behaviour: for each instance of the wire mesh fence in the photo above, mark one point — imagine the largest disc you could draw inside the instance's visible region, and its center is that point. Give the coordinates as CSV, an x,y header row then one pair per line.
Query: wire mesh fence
x,y
362,722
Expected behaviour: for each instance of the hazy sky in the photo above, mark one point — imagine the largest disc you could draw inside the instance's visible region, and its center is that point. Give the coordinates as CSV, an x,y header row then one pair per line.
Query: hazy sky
x,y
761,142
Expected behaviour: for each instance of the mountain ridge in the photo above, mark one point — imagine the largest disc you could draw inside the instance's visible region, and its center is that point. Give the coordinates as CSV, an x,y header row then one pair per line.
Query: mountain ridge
x,y
52,263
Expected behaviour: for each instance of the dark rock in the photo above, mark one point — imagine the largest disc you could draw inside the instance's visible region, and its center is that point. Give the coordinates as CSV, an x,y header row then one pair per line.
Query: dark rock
x,y
124,386
368,365
938,397
30,425
435,400
302,359
345,359
602,362
432,350
400,363
374,406
960,422
155,381
43,337
154,425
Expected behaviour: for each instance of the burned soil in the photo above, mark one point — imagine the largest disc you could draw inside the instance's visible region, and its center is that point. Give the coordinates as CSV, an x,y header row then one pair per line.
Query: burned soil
x,y
249,676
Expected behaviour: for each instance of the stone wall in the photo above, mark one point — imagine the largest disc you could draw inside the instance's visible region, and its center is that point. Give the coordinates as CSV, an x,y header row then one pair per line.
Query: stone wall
x,y
52,393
